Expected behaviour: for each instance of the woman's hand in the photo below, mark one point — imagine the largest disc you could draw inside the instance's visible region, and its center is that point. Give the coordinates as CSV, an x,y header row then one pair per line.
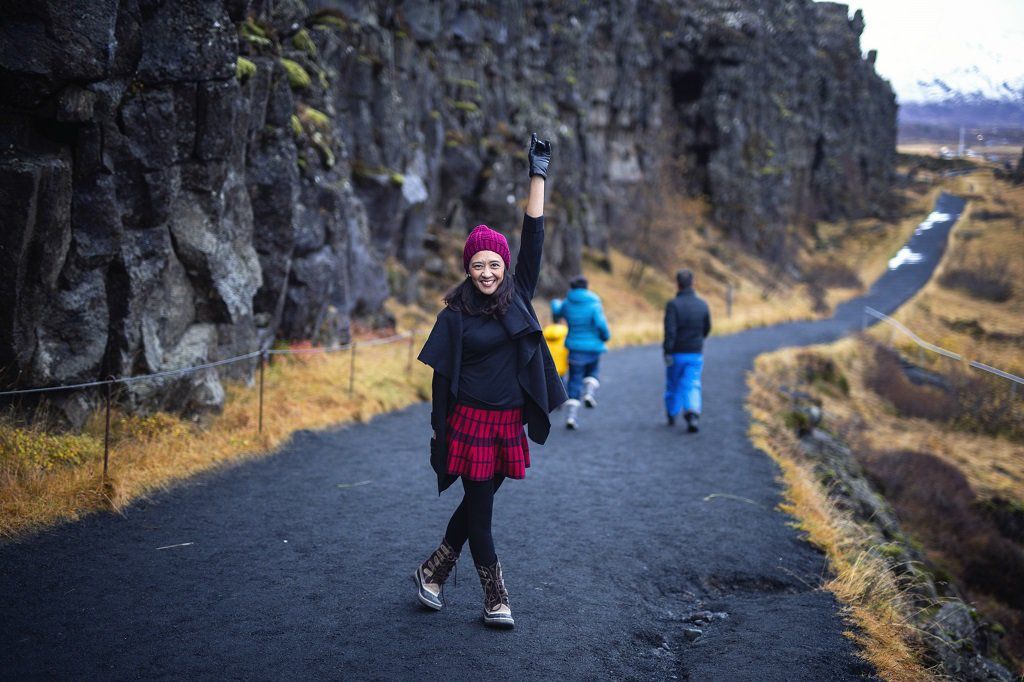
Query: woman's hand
x,y
540,156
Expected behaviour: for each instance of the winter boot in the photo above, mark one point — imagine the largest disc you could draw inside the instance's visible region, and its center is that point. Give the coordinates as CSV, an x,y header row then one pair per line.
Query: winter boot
x,y
430,576
572,408
590,386
671,419
497,611
692,419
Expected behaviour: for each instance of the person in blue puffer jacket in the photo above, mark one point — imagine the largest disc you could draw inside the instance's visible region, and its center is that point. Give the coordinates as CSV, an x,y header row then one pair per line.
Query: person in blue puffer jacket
x,y
588,331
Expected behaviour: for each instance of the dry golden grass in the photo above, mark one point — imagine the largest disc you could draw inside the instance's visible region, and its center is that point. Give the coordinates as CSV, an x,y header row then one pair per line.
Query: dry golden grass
x,y
862,580
301,392
994,466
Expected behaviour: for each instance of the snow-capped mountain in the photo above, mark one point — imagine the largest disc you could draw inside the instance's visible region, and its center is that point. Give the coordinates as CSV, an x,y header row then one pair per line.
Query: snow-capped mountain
x,y
969,84
966,96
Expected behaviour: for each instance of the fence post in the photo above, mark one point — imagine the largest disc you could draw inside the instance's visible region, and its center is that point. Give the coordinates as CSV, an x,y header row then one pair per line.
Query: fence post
x,y
263,361
412,343
352,372
728,301
106,431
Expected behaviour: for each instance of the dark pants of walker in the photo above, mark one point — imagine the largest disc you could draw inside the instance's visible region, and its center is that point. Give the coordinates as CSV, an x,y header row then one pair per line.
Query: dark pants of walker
x,y
472,520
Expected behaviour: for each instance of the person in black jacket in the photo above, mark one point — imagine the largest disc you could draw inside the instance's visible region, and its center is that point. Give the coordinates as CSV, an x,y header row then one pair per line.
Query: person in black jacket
x,y
687,324
492,373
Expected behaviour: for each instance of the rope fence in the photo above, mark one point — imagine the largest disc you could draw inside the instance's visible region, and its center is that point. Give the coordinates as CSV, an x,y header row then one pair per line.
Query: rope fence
x,y
263,356
924,345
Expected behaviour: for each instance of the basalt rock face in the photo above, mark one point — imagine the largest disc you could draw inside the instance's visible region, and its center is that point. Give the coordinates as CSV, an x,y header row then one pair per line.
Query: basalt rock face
x,y
186,181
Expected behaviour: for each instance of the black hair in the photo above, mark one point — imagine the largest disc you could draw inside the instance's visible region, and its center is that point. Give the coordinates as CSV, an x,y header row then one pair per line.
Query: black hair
x,y
684,278
464,297
578,282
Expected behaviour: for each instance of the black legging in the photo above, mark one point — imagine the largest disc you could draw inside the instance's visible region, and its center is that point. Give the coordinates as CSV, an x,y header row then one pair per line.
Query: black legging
x,y
472,520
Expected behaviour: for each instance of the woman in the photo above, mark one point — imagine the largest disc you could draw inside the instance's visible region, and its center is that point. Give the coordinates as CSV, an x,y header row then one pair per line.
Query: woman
x,y
492,374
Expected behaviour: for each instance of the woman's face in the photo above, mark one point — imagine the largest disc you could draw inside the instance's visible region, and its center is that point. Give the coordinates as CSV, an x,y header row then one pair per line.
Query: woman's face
x,y
487,269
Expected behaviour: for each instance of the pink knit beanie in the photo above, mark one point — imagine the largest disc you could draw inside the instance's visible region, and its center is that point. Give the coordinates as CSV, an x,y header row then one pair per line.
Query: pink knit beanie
x,y
483,238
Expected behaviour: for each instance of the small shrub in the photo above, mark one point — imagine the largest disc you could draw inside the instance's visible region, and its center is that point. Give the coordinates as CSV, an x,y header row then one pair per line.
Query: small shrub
x,y
818,369
28,450
799,422
972,328
987,280
143,428
887,378
986,215
986,404
833,274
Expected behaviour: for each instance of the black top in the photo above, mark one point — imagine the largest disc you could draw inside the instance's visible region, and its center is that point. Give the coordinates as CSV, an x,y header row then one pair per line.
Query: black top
x,y
687,322
542,388
489,365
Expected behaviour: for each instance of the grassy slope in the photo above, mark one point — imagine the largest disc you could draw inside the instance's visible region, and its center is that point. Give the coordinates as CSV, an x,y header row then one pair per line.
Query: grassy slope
x,y
993,465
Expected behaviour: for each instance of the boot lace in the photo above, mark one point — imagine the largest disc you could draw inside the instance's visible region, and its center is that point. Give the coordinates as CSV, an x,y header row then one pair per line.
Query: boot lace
x,y
491,580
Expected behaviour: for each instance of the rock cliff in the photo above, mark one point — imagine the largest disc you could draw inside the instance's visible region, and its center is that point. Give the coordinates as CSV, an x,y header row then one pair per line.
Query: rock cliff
x,y
186,181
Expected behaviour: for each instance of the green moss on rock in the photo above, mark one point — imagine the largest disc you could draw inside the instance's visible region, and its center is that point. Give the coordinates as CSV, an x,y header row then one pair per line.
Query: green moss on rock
x,y
302,41
466,106
296,125
315,118
297,76
244,69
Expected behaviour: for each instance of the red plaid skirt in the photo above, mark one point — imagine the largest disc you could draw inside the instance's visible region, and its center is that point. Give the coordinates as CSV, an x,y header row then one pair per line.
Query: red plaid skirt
x,y
483,443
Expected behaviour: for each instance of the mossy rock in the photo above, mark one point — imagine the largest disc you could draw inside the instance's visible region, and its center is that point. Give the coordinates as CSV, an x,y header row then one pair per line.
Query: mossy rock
x,y
302,41
397,178
244,69
315,118
296,125
466,106
465,83
891,550
298,77
330,19
255,33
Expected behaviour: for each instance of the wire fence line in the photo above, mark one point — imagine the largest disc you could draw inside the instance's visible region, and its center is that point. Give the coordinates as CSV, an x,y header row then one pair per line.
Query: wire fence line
x,y
263,356
921,343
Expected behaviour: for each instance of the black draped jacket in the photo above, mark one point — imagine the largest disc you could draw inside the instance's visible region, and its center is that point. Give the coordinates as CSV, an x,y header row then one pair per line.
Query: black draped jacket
x,y
541,384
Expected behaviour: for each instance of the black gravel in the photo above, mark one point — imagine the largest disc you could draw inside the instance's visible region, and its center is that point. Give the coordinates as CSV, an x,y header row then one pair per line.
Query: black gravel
x,y
631,550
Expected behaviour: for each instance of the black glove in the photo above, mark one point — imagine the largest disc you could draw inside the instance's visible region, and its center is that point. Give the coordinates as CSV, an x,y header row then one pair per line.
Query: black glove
x,y
540,156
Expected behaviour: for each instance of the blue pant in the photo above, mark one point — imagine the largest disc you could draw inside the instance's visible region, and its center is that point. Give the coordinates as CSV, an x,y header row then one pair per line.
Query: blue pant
x,y
682,383
581,364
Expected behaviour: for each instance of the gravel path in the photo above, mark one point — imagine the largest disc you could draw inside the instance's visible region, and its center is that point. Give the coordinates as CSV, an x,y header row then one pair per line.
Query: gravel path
x,y
624,535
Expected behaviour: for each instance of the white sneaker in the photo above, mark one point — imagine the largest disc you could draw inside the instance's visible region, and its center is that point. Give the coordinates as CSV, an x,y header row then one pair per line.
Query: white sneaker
x,y
590,386
572,407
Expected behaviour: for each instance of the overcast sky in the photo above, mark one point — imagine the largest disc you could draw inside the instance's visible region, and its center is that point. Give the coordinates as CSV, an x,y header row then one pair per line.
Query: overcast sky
x,y
925,39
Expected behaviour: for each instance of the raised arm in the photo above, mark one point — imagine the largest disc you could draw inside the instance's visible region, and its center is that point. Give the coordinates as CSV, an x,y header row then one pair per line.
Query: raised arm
x,y
531,245
535,202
